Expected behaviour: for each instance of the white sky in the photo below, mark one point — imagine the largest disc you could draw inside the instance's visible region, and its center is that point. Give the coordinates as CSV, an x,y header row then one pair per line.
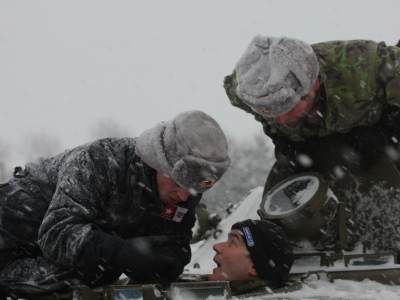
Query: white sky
x,y
66,64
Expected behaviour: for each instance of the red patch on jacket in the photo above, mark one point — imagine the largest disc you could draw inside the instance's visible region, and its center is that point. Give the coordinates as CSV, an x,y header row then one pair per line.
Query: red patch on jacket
x,y
169,211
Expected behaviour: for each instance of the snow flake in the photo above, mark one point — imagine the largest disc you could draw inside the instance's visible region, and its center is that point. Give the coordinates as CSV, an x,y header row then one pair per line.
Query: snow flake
x,y
271,263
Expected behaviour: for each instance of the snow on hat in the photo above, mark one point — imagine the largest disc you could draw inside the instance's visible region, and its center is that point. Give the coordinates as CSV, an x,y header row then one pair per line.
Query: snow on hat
x,y
269,248
274,73
191,148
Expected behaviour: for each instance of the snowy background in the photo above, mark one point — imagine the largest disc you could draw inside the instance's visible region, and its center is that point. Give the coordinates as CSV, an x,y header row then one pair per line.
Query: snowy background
x,y
75,71
70,67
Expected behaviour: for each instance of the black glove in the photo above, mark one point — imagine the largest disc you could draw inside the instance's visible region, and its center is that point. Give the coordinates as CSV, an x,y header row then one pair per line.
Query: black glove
x,y
142,260
150,242
293,154
366,143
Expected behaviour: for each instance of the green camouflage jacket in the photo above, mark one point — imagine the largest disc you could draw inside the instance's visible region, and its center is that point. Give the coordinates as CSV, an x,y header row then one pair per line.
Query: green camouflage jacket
x,y
359,79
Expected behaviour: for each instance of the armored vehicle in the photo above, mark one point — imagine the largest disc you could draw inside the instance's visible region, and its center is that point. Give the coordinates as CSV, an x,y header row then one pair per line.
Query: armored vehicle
x,y
340,220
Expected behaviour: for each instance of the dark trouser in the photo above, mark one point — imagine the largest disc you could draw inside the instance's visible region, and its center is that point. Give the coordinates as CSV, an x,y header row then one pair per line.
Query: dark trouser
x,y
34,276
37,276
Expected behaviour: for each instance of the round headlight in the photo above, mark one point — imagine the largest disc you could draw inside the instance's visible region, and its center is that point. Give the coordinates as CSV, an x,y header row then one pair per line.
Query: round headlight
x,y
296,203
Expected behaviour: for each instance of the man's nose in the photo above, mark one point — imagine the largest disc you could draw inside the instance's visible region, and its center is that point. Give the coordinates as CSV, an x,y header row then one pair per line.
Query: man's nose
x,y
183,194
282,119
218,247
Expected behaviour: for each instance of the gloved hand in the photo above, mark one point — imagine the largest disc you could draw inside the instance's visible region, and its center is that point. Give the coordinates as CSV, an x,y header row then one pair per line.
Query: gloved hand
x,y
146,243
367,142
142,260
293,154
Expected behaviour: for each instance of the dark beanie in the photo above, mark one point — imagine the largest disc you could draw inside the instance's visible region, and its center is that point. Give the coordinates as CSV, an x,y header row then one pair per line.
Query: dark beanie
x,y
269,248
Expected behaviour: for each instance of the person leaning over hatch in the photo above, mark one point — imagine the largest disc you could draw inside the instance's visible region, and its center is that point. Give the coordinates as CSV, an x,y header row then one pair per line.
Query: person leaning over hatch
x,y
256,255
111,206
298,91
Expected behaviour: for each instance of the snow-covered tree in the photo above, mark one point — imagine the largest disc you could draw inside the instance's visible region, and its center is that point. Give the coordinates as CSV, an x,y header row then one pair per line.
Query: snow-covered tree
x,y
39,144
108,128
5,171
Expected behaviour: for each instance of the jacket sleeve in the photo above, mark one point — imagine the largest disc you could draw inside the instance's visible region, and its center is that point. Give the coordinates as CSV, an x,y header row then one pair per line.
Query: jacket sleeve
x,y
180,235
85,181
387,71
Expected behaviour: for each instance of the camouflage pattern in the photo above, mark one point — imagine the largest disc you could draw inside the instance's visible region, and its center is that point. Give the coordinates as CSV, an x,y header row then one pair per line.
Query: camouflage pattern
x,y
359,79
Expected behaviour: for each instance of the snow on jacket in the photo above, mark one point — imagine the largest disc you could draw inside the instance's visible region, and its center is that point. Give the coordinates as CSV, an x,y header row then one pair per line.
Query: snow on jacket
x,y
359,79
95,187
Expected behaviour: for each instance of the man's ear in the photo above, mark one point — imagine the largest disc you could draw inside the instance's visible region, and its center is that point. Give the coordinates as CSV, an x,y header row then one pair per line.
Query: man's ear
x,y
253,271
316,85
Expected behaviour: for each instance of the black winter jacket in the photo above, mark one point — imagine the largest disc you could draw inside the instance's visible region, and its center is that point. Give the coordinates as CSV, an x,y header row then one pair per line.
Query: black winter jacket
x,y
95,194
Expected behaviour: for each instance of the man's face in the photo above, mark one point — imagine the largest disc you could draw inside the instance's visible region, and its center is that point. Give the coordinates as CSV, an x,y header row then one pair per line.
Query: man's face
x,y
297,115
233,260
169,191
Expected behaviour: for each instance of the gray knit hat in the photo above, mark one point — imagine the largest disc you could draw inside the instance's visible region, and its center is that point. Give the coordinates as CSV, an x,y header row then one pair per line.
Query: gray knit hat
x,y
191,148
274,73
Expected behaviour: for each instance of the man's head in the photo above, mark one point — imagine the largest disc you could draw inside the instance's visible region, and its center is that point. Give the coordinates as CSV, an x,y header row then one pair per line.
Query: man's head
x,y
255,249
297,115
169,191
275,73
191,149
233,260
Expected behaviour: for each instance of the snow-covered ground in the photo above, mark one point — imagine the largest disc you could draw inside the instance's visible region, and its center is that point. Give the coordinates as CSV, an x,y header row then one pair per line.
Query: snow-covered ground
x,y
312,289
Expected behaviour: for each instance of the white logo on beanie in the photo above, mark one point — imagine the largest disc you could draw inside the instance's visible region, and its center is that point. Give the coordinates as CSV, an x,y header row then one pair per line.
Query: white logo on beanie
x,y
249,238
